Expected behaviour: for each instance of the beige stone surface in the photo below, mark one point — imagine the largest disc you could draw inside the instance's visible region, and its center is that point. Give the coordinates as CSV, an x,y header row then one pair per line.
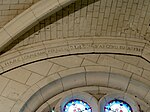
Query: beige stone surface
x,y
132,68
123,72
19,74
56,68
99,46
41,68
146,74
138,89
68,62
88,63
97,69
118,81
4,40
72,71
132,59
14,90
34,78
6,104
48,79
3,83
98,78
91,57
109,61
11,8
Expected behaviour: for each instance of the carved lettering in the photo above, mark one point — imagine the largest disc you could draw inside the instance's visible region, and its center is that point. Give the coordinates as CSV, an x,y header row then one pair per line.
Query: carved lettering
x,y
78,46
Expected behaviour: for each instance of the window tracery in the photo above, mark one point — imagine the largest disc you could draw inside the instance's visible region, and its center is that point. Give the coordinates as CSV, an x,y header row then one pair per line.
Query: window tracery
x,y
84,102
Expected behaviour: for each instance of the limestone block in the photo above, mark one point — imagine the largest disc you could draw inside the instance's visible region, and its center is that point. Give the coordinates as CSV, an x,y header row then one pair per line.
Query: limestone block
x,y
35,101
48,80
73,81
5,39
29,93
146,74
19,23
129,59
25,1
118,82
12,2
6,104
146,52
97,68
44,107
72,71
90,89
3,82
65,3
51,89
132,68
97,78
58,97
137,89
34,78
91,57
120,72
18,74
147,97
14,90
41,67
17,106
56,68
143,63
43,8
106,90
68,61
141,79
25,109
109,61
88,63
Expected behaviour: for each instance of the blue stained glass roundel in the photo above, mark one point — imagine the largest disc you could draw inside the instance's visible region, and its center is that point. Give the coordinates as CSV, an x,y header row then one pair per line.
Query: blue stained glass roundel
x,y
117,106
77,105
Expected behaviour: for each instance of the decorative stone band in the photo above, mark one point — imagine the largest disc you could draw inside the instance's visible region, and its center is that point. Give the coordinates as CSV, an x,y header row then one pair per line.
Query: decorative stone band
x,y
64,47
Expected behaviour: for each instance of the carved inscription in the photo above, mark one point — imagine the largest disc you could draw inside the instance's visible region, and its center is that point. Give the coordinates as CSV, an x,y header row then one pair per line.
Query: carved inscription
x,y
71,48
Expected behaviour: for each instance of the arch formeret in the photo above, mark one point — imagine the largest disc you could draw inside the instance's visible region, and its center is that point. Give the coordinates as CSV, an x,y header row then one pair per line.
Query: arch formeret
x,y
55,84
95,89
77,95
30,17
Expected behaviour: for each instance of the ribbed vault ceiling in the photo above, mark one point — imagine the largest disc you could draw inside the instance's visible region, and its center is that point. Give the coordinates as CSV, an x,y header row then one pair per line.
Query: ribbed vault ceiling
x,y
86,18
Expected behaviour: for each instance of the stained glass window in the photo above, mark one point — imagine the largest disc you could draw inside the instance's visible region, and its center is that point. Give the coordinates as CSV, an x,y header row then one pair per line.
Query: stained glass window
x,y
117,106
77,105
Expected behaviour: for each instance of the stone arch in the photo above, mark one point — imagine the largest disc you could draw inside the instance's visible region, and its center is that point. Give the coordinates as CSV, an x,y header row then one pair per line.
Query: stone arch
x,y
36,96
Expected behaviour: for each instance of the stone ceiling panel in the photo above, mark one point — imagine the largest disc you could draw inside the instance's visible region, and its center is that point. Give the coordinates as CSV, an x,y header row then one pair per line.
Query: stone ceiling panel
x,y
85,18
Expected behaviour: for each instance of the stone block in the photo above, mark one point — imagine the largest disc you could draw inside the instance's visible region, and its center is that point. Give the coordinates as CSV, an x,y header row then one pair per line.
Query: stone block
x,y
97,78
